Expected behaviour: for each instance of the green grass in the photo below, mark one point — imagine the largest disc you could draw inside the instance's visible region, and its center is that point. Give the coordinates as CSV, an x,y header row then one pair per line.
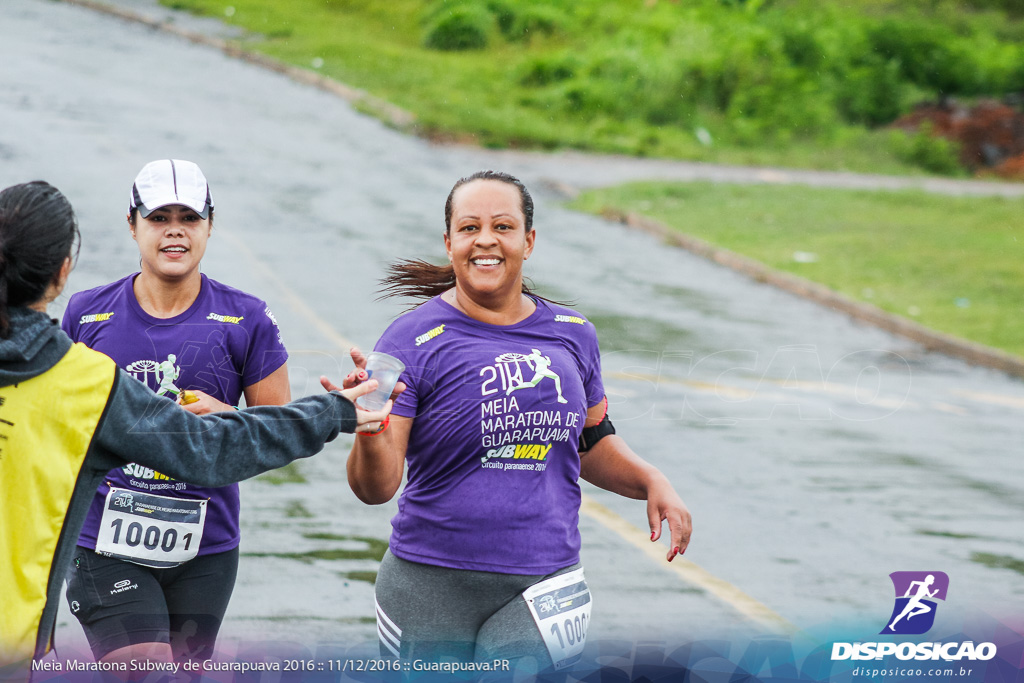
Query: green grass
x,y
953,264
794,83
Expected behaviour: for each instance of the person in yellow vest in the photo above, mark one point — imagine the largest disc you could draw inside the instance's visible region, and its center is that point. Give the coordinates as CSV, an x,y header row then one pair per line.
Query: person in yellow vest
x,y
68,415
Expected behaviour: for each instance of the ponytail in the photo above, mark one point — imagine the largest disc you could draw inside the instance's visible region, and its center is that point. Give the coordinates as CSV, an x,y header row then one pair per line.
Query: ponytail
x,y
38,231
417,279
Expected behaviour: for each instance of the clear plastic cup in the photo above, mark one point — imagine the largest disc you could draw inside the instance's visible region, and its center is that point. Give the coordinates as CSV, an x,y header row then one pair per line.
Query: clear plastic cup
x,y
386,370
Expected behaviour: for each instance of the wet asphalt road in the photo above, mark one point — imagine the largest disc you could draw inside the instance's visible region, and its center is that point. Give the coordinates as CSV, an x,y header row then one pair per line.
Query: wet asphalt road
x,y
816,454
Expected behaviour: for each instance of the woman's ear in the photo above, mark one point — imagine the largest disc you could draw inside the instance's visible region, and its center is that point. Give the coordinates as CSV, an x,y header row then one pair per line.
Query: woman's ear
x,y
531,238
61,279
65,272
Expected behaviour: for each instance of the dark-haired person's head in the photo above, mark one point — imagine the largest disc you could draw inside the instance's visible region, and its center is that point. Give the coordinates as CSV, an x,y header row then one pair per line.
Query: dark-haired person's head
x,y
483,191
170,215
38,233
488,236
526,201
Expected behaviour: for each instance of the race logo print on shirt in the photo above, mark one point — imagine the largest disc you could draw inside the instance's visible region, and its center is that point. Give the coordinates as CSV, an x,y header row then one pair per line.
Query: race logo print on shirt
x,y
516,434
541,365
164,373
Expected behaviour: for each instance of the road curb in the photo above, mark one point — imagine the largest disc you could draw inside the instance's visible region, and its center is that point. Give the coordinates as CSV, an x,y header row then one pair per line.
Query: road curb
x,y
389,114
971,352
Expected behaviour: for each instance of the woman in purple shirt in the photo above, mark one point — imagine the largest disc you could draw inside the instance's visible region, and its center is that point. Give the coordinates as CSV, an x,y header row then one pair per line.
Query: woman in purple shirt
x,y
157,587
502,413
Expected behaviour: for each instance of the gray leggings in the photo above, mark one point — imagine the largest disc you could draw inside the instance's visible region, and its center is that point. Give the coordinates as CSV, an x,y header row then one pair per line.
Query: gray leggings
x,y
430,613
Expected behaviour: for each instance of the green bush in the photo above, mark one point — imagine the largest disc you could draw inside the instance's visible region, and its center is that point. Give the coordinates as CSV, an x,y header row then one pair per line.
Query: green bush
x,y
929,54
926,151
537,20
504,14
765,73
870,93
465,26
801,45
1011,7
547,69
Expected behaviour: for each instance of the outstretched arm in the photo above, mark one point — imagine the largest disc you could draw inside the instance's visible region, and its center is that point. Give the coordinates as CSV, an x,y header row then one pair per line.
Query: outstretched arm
x,y
612,465
376,464
225,447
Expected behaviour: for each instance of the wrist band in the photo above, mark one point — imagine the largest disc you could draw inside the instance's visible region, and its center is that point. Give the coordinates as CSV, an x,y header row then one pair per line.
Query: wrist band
x,y
383,426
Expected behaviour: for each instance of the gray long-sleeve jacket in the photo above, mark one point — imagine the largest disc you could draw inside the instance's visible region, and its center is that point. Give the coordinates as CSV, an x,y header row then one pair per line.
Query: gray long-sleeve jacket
x,y
135,426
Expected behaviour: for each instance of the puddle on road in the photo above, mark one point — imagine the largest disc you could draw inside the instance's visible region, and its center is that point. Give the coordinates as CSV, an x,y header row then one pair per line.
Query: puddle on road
x,y
995,491
358,548
629,333
368,577
295,509
308,618
372,549
693,300
999,562
891,458
289,474
945,534
838,435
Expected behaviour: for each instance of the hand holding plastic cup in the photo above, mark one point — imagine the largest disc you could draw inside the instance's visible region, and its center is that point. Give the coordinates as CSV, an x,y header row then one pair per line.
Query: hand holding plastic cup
x,y
386,370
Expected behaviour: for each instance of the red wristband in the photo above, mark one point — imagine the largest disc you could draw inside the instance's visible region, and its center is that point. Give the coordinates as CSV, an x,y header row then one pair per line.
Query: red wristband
x,y
383,426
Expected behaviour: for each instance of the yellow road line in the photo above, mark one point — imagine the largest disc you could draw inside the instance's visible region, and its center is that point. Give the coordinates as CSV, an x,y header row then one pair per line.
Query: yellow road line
x,y
293,300
689,572
686,570
992,399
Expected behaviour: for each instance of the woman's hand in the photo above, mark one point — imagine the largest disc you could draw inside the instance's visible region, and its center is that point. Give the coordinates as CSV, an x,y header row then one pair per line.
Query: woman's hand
x,y
376,464
205,404
366,420
664,504
357,376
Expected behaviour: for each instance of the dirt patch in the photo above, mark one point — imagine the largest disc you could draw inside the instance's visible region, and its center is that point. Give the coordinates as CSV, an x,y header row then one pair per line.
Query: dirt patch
x,y
990,133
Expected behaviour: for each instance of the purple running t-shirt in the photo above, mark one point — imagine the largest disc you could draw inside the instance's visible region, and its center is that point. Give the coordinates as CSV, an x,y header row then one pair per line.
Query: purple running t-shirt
x,y
226,341
493,461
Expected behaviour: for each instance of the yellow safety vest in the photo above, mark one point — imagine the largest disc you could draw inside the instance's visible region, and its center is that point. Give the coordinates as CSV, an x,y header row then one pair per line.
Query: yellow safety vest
x,y
46,426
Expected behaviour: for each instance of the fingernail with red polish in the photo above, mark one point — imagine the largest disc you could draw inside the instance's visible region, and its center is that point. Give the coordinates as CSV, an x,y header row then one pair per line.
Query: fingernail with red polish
x,y
362,374
652,535
675,551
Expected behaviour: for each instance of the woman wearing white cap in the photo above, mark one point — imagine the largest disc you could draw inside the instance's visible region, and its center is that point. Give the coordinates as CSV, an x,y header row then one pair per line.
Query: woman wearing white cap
x,y
152,576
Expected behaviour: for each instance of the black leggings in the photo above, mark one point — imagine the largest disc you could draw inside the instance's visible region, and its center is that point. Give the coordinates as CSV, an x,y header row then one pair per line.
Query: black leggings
x,y
120,603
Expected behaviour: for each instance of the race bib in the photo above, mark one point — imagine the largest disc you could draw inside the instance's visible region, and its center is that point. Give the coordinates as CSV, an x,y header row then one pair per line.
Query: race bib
x,y
154,531
561,607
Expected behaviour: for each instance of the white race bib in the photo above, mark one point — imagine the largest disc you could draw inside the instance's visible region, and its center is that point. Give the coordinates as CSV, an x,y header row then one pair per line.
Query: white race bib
x,y
561,607
154,531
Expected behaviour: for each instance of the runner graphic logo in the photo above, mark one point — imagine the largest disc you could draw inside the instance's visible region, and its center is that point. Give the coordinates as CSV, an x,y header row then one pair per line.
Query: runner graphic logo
x,y
916,595
124,500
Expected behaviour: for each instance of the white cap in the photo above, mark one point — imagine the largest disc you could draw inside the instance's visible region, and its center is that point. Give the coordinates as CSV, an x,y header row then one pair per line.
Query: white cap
x,y
170,181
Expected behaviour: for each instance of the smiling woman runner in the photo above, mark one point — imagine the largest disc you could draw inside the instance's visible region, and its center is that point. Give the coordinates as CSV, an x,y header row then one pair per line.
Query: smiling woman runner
x,y
503,412
160,589
68,415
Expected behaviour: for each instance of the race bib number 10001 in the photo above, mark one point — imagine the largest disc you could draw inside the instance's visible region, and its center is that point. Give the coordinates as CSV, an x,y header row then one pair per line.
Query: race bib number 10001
x,y
154,531
561,607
